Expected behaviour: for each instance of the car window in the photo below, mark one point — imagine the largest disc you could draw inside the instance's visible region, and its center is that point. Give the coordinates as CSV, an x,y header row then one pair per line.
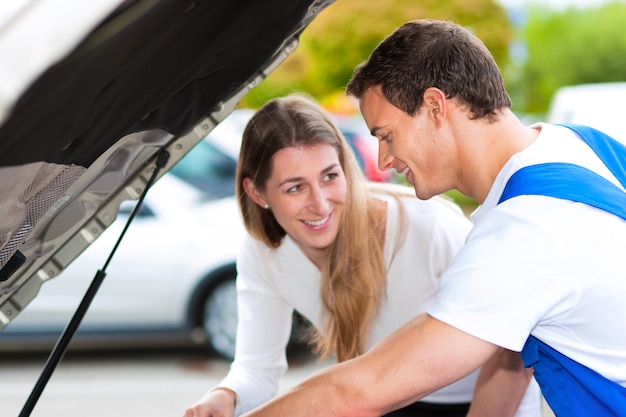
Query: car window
x,y
208,169
127,207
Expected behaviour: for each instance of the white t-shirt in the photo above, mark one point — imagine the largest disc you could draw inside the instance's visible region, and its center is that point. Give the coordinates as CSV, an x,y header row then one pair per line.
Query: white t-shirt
x,y
272,282
548,267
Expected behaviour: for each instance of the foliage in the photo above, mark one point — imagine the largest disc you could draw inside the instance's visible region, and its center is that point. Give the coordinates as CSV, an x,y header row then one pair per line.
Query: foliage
x,y
466,203
573,46
347,31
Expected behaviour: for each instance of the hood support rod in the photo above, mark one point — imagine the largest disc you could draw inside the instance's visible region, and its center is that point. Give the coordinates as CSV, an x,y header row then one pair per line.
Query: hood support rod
x,y
64,340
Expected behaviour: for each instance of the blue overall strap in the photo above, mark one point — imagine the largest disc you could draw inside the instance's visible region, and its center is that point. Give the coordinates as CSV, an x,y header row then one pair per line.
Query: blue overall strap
x,y
611,152
569,182
573,182
572,389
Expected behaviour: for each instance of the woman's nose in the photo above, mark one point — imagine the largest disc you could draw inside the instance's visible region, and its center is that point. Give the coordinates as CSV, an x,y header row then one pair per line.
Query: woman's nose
x,y
318,200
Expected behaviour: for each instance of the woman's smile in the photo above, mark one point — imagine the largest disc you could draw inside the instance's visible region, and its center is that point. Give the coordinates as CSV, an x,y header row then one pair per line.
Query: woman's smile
x,y
318,224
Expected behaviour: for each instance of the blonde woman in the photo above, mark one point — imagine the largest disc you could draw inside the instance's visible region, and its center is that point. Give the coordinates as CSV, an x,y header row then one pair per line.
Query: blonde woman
x,y
358,260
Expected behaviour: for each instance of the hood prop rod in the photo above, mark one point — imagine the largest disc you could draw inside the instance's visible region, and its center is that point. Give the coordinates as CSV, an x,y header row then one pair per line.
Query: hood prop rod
x,y
64,340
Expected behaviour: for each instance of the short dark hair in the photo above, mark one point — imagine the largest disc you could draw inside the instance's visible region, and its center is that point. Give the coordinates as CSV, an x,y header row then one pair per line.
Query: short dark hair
x,y
430,53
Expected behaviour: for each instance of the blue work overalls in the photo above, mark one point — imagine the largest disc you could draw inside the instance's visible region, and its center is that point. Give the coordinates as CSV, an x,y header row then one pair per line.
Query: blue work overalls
x,y
570,388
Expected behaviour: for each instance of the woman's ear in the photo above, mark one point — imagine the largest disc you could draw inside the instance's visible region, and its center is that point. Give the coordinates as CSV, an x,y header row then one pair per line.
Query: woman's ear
x,y
254,194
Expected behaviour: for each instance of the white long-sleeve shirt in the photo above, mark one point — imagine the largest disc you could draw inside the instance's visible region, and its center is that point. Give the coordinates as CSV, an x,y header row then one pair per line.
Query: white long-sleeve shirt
x,y
273,282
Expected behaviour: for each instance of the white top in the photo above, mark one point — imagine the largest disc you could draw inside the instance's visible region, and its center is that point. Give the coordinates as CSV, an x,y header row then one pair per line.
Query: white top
x,y
544,266
272,282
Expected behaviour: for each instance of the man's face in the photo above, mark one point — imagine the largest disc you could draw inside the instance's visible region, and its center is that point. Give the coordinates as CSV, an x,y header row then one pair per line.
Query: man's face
x,y
413,146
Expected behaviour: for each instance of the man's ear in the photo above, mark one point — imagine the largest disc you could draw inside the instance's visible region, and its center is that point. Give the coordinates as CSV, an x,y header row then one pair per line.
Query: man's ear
x,y
253,192
435,103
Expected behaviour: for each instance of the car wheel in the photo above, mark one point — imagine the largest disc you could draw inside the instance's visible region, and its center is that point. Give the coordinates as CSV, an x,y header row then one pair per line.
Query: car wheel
x,y
220,318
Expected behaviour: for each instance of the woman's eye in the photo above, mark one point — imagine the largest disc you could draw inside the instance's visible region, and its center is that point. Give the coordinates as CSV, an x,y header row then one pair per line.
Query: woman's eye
x,y
330,176
294,189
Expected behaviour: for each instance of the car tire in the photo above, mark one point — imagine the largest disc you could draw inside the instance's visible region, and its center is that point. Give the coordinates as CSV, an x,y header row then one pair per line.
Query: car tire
x,y
219,320
219,317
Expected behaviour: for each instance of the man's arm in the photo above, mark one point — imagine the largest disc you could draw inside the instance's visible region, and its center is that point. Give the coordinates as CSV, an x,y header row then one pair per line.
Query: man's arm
x,y
501,385
419,358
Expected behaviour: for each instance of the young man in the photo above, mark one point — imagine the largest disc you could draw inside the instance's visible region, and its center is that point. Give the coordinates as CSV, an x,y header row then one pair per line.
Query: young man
x,y
541,271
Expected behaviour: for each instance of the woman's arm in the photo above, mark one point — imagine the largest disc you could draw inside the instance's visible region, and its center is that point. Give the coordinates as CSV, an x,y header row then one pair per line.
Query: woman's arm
x,y
263,331
501,385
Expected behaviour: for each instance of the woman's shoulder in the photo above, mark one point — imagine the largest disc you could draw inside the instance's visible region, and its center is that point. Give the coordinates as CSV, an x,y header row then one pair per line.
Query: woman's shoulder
x,y
404,205
257,261
257,248
437,216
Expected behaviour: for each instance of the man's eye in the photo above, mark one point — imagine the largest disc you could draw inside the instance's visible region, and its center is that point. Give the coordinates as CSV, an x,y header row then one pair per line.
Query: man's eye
x,y
385,138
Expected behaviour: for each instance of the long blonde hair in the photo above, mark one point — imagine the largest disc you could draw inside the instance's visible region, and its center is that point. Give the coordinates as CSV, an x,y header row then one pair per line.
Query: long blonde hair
x,y
353,280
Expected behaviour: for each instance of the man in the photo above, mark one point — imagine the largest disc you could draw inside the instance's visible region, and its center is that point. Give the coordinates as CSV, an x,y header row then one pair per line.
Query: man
x,y
541,274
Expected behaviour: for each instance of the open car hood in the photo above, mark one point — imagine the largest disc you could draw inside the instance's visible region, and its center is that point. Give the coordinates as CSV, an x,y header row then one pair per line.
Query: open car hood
x,y
92,91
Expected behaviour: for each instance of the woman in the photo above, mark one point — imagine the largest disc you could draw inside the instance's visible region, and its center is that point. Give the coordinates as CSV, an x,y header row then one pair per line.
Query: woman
x,y
356,259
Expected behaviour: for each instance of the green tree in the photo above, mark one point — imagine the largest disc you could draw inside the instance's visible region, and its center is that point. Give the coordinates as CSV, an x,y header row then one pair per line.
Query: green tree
x,y
573,46
347,31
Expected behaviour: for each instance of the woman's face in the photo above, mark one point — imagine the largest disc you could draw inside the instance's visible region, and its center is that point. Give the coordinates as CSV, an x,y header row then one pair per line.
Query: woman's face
x,y
306,193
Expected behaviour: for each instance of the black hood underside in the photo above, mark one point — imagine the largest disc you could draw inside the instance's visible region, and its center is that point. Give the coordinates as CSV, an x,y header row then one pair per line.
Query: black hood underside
x,y
150,65
84,134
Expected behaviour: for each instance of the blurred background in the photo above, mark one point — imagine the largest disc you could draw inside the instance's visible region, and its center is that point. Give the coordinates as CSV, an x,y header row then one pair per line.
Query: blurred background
x,y
540,46
153,302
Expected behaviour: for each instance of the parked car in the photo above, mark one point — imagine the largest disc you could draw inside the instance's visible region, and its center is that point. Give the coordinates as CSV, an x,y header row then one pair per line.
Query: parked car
x,y
598,105
364,144
171,281
211,165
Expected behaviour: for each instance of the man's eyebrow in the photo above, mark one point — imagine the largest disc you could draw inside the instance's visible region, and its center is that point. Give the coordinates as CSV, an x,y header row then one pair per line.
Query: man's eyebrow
x,y
299,179
374,130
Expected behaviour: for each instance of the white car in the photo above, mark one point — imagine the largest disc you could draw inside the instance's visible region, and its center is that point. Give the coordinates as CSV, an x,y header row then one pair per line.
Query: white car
x,y
170,282
211,165
598,105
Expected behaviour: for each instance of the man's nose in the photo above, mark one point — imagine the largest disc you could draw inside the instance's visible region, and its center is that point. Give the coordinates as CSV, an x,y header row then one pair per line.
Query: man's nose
x,y
385,159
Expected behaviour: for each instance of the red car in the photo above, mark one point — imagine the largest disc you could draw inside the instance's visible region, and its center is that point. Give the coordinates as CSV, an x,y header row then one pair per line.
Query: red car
x,y
365,146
